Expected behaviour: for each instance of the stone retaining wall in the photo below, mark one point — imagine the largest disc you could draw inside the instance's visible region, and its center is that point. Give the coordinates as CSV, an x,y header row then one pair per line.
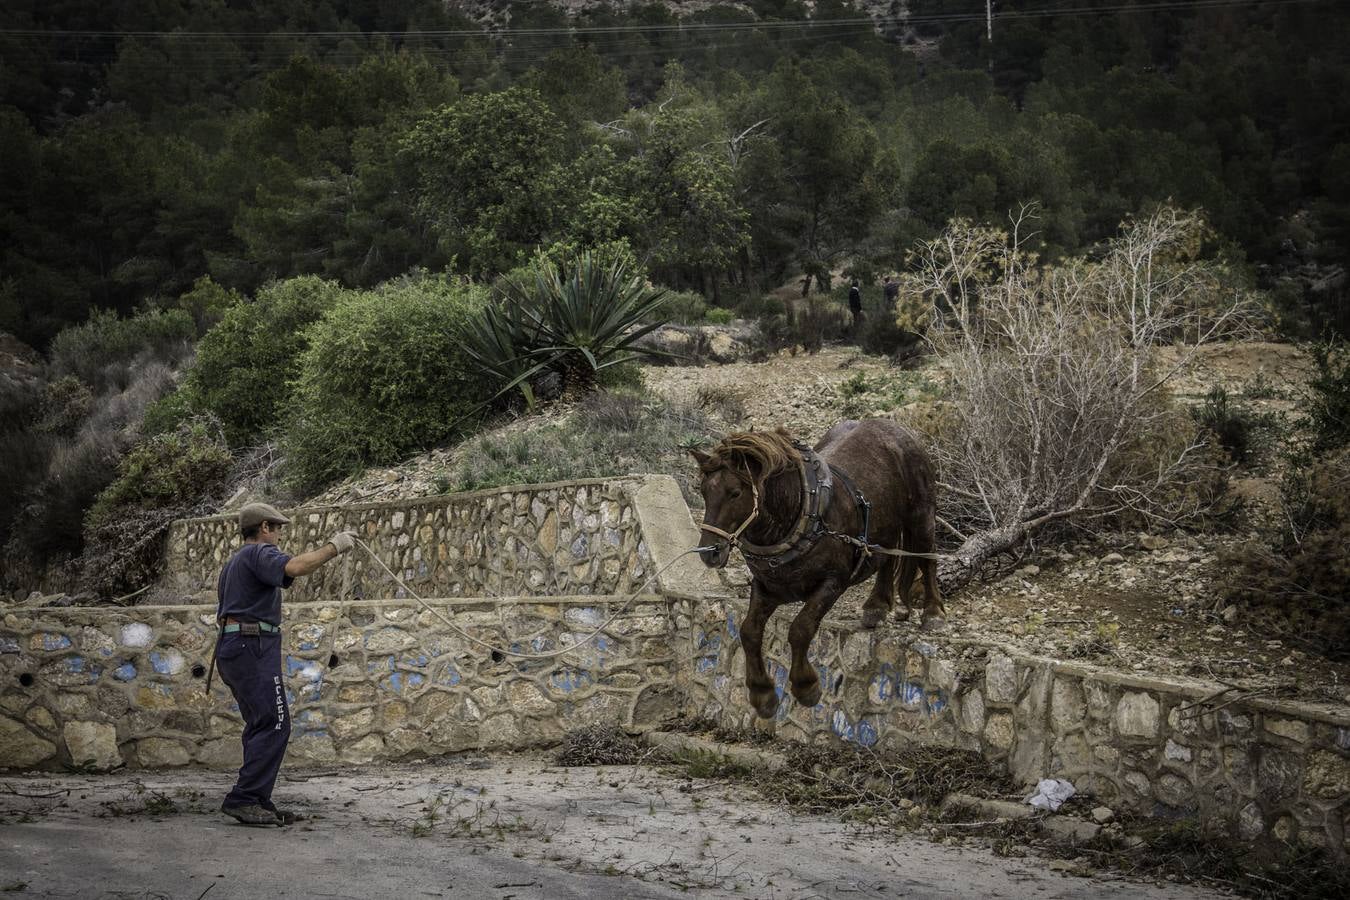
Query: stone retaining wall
x,y
366,680
576,537
1276,770
377,679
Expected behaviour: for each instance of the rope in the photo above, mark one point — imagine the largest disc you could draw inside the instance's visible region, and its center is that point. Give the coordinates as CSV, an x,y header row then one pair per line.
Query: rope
x,y
506,652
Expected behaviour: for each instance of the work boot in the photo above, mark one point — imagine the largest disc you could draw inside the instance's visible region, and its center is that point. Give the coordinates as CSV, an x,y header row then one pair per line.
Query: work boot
x,y
251,814
284,816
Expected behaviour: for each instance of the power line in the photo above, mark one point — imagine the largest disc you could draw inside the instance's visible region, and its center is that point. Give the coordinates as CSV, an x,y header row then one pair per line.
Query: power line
x,y
413,32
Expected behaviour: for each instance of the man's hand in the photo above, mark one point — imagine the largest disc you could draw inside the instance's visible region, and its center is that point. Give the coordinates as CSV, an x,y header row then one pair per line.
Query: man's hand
x,y
343,541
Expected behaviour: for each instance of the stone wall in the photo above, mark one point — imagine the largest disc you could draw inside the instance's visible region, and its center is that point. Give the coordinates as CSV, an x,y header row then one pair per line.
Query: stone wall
x,y
366,680
576,537
373,678
370,676
1276,770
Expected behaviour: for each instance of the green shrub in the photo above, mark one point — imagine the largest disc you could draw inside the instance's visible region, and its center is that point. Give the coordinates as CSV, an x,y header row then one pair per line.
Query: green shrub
x,y
168,412
105,351
880,334
1329,398
1298,587
814,321
66,403
1241,432
246,362
165,470
385,374
682,308
760,306
207,302
718,316
161,479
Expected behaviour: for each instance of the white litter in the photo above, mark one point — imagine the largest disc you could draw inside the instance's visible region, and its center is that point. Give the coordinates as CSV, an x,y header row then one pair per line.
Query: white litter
x,y
1051,794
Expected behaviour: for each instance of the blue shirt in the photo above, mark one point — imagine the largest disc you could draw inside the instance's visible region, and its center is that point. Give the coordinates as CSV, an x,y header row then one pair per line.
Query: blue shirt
x,y
251,582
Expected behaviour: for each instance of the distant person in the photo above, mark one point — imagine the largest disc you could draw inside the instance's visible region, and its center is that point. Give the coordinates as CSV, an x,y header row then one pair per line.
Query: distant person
x,y
890,290
248,653
855,303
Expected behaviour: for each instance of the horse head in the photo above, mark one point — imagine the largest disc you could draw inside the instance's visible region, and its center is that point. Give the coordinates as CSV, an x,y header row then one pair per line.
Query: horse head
x,y
734,475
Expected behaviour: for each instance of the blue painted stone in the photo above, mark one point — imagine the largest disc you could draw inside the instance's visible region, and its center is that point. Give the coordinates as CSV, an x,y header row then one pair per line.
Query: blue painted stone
x,y
451,676
731,625
158,663
55,642
581,547
415,680
911,694
568,680
9,645
866,733
75,664
125,672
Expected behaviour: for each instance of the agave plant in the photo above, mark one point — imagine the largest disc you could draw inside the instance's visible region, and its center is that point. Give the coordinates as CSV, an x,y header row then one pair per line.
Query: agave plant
x,y
502,340
575,322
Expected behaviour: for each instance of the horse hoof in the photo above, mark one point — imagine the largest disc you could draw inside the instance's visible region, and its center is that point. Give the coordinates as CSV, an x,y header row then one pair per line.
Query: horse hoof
x,y
935,623
871,618
808,695
766,706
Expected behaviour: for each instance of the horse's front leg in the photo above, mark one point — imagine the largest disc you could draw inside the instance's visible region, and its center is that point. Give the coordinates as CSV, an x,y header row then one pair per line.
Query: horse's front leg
x,y
763,697
802,678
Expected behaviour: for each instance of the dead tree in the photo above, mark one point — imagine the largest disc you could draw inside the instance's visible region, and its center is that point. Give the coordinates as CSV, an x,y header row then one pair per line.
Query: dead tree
x,y
1059,381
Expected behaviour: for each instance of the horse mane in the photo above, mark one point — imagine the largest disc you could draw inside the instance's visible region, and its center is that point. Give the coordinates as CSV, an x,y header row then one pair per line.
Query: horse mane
x,y
769,451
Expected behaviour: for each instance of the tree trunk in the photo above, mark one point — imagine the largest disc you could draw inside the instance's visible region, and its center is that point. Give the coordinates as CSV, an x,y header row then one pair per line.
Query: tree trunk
x,y
957,569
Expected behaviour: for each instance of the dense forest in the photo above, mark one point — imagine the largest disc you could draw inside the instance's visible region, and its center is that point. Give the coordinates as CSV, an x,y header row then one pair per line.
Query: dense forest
x,y
240,237
145,145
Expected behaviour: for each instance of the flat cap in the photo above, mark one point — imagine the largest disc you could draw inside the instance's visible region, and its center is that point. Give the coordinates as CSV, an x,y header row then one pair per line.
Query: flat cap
x,y
258,513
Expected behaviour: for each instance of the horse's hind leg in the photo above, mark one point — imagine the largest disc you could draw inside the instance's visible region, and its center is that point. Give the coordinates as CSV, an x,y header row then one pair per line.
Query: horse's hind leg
x,y
882,599
763,697
934,615
909,567
802,679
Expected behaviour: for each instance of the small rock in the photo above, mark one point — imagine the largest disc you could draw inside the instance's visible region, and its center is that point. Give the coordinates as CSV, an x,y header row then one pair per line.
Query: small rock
x,y
1113,558
1230,614
1028,571
1153,542
1102,814
1287,661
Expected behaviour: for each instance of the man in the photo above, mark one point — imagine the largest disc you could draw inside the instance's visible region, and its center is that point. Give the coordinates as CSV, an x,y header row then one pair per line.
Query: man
x,y
248,653
890,290
855,303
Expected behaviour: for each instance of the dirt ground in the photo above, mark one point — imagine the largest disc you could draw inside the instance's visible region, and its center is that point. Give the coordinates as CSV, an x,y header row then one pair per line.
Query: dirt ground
x,y
511,827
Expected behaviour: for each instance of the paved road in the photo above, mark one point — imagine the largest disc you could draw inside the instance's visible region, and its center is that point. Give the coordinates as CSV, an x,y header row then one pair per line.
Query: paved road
x,y
512,827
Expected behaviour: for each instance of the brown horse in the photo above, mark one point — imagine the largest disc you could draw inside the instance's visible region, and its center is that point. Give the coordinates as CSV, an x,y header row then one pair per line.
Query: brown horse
x,y
799,514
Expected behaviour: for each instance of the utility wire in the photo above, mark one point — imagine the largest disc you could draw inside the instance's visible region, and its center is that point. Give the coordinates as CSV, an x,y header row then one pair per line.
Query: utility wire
x,y
414,33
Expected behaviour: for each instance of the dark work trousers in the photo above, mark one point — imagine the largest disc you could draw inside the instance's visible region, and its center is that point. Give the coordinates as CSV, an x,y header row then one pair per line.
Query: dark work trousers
x,y
251,666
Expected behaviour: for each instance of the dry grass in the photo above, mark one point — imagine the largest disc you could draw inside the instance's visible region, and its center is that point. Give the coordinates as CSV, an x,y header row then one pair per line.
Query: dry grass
x,y
601,745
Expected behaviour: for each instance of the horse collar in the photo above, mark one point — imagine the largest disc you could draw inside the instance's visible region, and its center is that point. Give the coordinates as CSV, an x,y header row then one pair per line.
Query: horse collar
x,y
817,488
